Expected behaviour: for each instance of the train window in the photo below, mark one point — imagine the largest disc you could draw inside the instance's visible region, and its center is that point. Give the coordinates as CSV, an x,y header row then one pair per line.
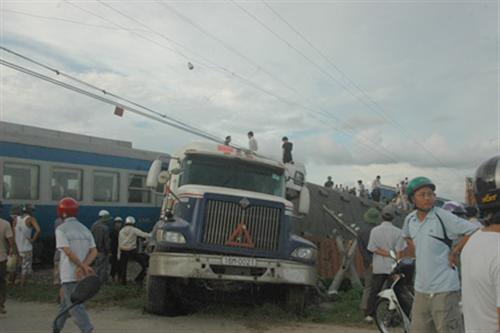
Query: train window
x,y
137,190
66,183
106,186
21,181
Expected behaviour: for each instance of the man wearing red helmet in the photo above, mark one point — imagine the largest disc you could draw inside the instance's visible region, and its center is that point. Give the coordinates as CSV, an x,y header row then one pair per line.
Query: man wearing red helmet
x,y
78,251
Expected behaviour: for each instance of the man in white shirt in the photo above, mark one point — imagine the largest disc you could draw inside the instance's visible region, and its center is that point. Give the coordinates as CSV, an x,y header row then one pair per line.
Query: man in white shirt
x,y
481,256
127,249
252,142
78,251
383,238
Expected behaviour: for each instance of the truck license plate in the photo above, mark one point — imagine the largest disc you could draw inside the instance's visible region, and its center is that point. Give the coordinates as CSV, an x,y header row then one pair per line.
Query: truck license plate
x,y
238,261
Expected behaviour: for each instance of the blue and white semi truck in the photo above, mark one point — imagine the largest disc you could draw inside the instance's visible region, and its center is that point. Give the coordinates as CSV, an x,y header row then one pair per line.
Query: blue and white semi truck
x,y
226,227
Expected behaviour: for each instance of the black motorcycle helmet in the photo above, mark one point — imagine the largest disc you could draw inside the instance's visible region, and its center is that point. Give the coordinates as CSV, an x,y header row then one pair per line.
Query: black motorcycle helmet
x,y
487,187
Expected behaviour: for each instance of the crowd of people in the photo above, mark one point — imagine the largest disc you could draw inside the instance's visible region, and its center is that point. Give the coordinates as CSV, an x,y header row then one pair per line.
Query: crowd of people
x,y
445,286
286,147
104,250
375,194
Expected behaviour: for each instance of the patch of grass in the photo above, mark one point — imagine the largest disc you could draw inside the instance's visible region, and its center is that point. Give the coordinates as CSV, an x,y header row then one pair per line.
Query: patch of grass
x,y
33,292
345,310
130,296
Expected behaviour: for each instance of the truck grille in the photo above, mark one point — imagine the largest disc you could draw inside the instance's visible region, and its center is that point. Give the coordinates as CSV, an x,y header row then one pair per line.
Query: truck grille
x,y
222,219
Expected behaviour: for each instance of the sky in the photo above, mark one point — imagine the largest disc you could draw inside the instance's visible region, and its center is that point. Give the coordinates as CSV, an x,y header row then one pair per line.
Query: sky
x,y
362,88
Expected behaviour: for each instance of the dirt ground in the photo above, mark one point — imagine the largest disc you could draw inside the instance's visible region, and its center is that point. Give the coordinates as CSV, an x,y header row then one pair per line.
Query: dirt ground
x,y
37,317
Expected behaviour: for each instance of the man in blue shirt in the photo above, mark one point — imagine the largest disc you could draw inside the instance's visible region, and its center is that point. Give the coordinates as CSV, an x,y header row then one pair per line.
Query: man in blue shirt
x,y
431,231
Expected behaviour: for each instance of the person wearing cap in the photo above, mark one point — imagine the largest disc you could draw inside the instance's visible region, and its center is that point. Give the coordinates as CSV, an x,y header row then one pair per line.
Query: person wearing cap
x,y
127,249
23,227
383,239
6,249
371,219
431,231
100,231
113,234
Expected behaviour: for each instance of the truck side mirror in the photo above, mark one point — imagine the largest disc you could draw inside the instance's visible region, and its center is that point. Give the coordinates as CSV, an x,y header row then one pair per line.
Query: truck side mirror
x,y
304,201
154,171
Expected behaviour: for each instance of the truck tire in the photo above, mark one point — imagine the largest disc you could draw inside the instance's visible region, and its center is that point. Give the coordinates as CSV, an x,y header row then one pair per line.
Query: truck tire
x,y
160,299
295,298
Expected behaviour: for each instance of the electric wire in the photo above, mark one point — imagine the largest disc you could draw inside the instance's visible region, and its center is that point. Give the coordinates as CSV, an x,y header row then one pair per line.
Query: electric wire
x,y
319,68
363,143
103,99
105,92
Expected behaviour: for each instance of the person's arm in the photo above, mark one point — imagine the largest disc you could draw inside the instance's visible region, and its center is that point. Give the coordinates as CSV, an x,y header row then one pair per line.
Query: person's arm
x,y
138,232
459,226
34,224
382,252
85,265
12,245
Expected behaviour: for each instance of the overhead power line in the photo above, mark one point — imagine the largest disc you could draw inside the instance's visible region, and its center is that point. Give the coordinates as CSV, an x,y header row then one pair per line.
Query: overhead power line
x,y
104,99
319,68
105,92
364,143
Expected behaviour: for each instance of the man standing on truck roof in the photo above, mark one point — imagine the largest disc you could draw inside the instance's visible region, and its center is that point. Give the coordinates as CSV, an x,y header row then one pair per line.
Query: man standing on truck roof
x,y
23,229
100,231
287,150
252,142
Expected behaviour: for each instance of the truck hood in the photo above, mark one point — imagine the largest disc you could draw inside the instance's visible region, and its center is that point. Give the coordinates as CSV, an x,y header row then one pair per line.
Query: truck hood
x,y
189,191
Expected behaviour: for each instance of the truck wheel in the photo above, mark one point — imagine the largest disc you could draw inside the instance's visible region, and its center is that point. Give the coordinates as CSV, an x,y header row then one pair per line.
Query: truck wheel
x,y
295,298
160,299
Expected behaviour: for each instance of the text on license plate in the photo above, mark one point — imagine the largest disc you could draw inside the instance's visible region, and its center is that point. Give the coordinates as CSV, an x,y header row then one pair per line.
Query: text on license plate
x,y
238,261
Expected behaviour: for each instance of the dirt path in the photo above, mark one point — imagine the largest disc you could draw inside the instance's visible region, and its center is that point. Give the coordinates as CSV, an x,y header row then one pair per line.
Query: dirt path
x,y
37,317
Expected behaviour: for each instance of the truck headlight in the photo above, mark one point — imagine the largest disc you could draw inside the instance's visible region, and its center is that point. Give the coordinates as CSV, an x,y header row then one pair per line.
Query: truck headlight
x,y
170,236
305,253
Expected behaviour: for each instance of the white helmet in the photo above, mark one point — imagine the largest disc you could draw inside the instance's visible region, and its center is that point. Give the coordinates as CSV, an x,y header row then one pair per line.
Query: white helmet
x,y
130,220
103,213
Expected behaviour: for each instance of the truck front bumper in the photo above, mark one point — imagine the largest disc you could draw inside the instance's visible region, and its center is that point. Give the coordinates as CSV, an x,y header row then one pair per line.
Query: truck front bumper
x,y
204,266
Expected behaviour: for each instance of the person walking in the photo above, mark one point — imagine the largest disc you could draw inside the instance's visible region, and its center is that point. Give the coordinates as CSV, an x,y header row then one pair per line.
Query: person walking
x,y
481,256
383,239
371,219
115,231
127,244
431,231
376,184
252,142
78,251
6,249
23,229
100,231
287,147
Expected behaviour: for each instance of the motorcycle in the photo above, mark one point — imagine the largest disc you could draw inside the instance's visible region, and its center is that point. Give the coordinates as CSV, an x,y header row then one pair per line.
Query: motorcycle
x,y
393,309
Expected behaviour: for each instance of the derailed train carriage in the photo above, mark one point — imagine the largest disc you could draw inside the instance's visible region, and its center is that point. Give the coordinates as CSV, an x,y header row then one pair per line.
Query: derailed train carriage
x,y
40,166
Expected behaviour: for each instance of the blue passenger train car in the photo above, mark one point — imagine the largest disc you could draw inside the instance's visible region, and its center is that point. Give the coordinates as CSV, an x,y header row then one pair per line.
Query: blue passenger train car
x,y
41,166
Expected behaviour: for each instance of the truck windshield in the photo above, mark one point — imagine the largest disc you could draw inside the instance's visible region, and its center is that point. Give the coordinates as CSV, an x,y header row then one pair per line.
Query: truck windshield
x,y
225,172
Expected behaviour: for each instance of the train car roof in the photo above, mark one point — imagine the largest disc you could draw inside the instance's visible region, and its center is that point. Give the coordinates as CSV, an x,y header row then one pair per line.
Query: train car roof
x,y
42,137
